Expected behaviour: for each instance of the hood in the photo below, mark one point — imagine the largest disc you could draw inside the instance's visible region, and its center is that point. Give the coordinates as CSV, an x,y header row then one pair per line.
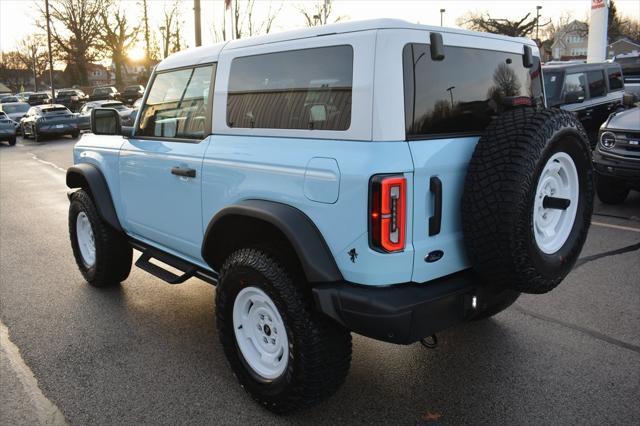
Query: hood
x,y
625,120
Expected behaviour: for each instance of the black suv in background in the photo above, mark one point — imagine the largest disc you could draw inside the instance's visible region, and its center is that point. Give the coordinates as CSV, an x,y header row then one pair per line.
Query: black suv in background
x,y
109,93
630,64
40,98
131,94
591,91
616,159
71,98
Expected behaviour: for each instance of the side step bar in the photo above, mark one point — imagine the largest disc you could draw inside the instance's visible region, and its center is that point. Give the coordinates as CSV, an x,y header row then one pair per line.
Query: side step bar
x,y
189,270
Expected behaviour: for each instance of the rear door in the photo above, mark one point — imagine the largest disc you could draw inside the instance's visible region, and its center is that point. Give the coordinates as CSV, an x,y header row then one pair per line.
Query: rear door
x,y
448,104
161,165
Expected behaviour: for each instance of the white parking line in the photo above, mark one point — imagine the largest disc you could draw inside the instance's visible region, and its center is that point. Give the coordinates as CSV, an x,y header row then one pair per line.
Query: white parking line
x,y
47,412
48,163
609,225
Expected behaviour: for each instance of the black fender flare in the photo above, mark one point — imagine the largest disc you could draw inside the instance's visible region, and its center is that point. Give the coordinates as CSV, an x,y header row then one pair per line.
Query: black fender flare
x,y
314,255
88,176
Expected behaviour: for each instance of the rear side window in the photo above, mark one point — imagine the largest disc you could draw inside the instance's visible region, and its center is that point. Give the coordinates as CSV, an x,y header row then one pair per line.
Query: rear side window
x,y
177,105
575,86
301,89
596,83
615,79
463,92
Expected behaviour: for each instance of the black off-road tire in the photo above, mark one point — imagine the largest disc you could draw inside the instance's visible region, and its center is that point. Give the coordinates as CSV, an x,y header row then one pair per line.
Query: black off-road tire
x,y
12,141
113,254
498,200
319,349
610,191
24,132
75,134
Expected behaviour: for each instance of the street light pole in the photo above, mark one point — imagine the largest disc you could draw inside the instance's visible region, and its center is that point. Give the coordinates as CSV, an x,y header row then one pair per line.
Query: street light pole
x,y
538,22
442,11
197,25
53,90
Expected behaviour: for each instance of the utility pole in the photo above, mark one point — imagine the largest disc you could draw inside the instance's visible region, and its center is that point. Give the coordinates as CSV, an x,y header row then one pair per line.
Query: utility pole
x,y
53,90
538,23
326,11
442,11
196,13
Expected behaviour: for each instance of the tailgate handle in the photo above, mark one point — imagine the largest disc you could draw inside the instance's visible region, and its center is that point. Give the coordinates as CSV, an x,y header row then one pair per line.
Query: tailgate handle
x,y
435,221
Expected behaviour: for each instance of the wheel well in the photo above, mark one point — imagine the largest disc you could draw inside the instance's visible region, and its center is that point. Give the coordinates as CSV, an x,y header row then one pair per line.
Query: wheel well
x,y
234,232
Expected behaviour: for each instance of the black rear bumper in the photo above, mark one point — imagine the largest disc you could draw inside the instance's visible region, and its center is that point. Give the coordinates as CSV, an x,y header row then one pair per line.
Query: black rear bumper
x,y
403,313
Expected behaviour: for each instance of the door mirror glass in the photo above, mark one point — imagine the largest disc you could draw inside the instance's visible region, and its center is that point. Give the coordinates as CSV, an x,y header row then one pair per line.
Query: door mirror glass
x,y
105,121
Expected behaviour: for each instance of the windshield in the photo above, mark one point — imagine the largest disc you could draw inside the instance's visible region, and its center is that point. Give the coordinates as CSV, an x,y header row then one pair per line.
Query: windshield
x,y
10,109
552,86
131,89
104,91
67,93
39,96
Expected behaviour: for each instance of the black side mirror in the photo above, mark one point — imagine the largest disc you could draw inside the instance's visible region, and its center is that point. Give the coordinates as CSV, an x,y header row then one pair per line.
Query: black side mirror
x,y
105,121
436,46
527,57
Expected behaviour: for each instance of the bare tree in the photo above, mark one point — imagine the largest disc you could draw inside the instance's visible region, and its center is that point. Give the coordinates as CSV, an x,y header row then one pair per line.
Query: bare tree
x,y
550,31
484,22
319,14
75,30
118,37
32,52
148,52
170,15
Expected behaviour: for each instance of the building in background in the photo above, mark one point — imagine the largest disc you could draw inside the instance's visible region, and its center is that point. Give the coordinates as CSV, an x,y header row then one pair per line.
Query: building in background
x,y
570,42
622,46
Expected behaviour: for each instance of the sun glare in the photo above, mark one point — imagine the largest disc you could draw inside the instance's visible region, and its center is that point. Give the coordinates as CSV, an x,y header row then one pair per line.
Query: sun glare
x,y
136,53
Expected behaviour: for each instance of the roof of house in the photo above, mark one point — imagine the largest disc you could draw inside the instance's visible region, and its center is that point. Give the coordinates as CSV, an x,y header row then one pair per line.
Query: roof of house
x,y
205,54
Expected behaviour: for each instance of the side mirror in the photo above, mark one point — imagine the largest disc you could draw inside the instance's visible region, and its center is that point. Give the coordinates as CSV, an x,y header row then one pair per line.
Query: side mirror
x,y
629,99
527,57
436,46
574,98
105,121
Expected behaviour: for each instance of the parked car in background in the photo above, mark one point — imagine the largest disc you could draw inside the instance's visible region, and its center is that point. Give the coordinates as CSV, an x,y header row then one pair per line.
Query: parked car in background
x,y
10,98
131,94
24,96
84,118
15,111
591,91
71,98
616,159
104,94
40,98
7,129
630,63
49,120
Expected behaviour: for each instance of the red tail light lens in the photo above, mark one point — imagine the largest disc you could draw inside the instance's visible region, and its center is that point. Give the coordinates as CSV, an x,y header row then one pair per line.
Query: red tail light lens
x,y
387,213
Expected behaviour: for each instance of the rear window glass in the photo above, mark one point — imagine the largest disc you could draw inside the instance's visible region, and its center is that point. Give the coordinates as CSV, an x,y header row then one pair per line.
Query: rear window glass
x,y
301,89
463,92
615,79
10,109
596,83
575,87
66,93
55,110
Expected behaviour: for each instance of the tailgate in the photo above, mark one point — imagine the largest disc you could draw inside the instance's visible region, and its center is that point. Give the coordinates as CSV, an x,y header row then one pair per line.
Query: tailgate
x,y
439,163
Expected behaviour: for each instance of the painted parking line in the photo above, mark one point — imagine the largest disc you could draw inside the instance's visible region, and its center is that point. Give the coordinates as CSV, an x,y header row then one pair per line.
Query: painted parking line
x,y
609,225
46,411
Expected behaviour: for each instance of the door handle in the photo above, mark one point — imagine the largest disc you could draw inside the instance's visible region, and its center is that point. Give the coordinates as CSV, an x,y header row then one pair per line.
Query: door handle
x,y
435,221
183,171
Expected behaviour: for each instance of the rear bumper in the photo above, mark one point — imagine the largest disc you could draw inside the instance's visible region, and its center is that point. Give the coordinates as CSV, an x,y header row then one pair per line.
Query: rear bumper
x,y
403,313
52,130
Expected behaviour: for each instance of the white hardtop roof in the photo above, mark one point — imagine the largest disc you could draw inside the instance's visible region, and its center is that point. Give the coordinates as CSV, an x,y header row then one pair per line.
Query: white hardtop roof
x,y
206,54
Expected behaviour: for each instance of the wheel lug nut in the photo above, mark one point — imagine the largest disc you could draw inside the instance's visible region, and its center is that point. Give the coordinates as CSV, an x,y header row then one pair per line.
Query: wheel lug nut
x,y
259,328
265,339
273,341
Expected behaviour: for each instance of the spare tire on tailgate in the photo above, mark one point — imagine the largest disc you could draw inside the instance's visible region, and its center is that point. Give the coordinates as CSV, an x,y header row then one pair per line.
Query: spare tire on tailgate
x,y
528,199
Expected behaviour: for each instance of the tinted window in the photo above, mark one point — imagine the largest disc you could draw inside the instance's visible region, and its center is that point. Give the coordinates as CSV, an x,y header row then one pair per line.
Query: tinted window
x,y
9,109
301,89
552,86
575,87
615,79
596,84
462,93
177,105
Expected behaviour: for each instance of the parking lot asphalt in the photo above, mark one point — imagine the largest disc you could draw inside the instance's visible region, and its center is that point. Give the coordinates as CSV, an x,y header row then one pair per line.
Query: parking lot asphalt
x,y
148,353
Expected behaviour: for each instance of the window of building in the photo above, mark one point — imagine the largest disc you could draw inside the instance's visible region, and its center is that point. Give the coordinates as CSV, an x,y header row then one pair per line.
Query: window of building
x,y
462,93
615,79
178,104
596,83
301,89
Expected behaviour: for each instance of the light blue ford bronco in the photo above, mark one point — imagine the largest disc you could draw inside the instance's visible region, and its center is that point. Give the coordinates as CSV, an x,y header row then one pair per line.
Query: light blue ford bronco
x,y
376,177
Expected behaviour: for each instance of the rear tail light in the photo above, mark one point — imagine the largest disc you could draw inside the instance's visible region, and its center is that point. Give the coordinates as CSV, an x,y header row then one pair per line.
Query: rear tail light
x,y
387,213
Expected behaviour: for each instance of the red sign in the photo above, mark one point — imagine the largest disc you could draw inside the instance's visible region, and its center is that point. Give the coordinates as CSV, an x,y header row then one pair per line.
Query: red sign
x,y
597,4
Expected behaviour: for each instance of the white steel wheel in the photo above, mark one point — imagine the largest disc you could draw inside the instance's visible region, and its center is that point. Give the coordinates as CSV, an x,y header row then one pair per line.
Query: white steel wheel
x,y
86,240
556,203
260,333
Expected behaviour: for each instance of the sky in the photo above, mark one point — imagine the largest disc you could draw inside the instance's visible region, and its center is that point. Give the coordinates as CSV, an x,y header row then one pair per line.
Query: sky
x,y
17,16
